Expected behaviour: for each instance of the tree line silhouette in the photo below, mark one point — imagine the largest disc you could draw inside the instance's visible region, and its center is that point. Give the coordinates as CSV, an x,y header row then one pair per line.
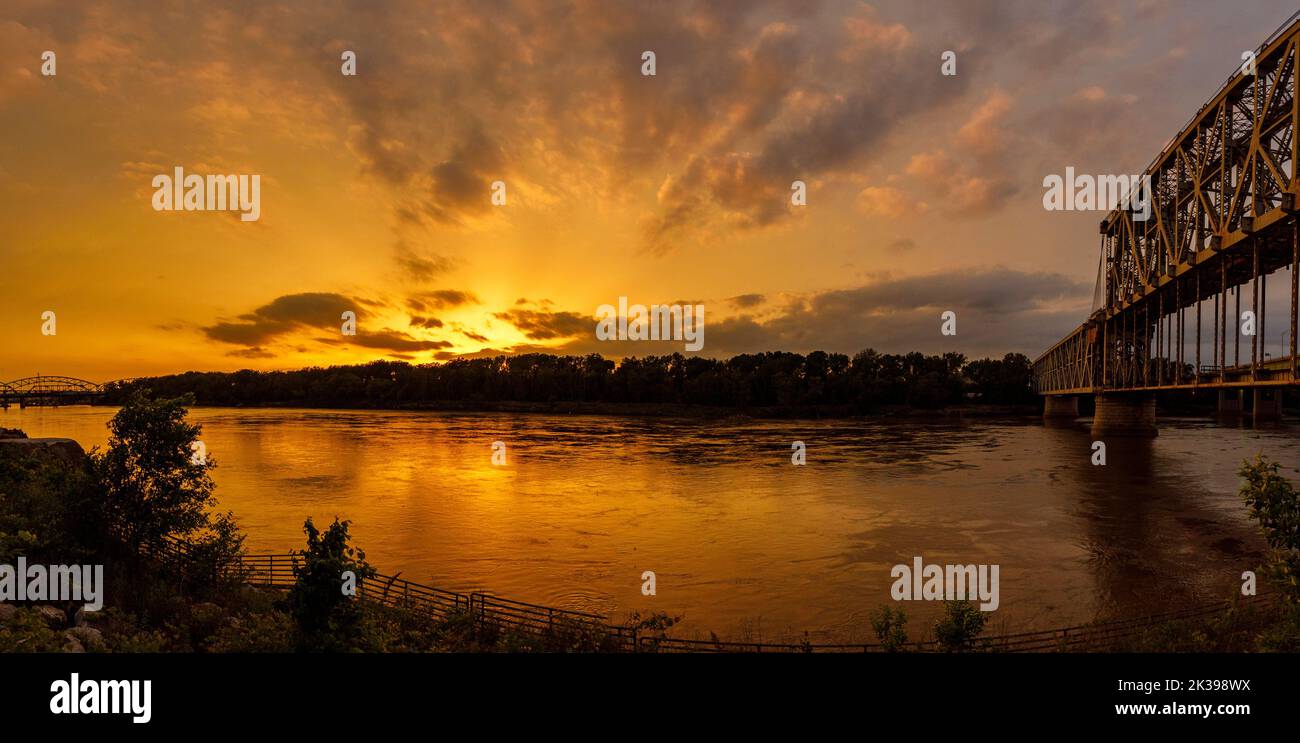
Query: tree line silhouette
x,y
864,382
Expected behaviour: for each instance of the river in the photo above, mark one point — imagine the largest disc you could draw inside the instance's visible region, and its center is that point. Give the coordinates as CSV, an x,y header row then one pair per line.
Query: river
x,y
743,543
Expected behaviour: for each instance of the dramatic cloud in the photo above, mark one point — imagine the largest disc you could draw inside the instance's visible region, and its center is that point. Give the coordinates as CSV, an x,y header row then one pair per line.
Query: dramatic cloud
x,y
542,325
294,316
282,316
376,188
998,310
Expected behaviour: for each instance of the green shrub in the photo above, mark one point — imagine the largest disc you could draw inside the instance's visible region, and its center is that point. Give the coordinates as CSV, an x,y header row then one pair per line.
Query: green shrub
x,y
961,623
27,632
327,618
1275,504
890,626
265,632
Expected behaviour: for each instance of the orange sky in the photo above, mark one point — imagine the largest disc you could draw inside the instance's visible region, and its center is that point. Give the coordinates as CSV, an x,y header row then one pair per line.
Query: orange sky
x,y
924,190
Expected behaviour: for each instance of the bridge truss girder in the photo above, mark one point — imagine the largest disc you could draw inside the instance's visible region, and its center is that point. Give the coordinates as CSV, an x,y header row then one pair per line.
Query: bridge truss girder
x,y
1222,215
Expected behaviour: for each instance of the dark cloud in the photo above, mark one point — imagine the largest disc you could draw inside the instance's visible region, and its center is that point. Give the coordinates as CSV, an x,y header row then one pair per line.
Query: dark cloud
x,y
1040,36
256,352
390,340
999,310
460,184
749,96
420,266
281,316
425,322
295,313
746,301
1091,125
440,299
839,119
542,325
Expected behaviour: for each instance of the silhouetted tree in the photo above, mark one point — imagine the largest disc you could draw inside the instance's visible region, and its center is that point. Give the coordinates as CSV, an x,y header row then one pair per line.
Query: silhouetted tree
x,y
774,379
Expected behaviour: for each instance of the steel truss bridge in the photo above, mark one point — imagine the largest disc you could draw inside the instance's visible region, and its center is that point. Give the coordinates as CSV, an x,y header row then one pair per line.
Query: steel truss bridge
x,y
42,390
1223,216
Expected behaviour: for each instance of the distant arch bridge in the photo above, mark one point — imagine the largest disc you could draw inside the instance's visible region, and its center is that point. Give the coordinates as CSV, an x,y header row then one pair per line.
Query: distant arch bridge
x,y
46,391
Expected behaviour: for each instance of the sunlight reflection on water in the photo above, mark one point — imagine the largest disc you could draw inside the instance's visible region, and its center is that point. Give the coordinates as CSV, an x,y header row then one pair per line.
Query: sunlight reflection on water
x,y
743,543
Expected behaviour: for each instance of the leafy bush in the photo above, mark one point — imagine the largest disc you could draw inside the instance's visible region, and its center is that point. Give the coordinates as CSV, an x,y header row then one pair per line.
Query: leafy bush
x,y
27,632
264,632
961,623
328,619
890,626
49,511
650,630
1275,504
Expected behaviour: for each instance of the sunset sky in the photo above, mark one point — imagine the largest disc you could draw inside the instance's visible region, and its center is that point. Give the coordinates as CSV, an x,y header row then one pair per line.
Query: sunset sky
x,y
924,190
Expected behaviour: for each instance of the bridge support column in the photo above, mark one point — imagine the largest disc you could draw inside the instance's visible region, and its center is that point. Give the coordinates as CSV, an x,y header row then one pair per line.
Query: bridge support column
x,y
1125,415
1061,407
1229,403
1266,404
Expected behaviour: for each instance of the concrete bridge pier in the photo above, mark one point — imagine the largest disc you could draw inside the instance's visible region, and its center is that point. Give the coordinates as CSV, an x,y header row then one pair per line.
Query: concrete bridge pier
x,y
1229,403
1266,404
1125,415
1061,407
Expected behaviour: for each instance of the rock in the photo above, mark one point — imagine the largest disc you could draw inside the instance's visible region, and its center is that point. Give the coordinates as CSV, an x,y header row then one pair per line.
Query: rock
x,y
7,612
88,638
12,433
67,450
54,617
73,645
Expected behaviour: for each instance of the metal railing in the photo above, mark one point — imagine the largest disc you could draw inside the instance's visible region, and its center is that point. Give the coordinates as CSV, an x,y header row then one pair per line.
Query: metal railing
x,y
276,571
